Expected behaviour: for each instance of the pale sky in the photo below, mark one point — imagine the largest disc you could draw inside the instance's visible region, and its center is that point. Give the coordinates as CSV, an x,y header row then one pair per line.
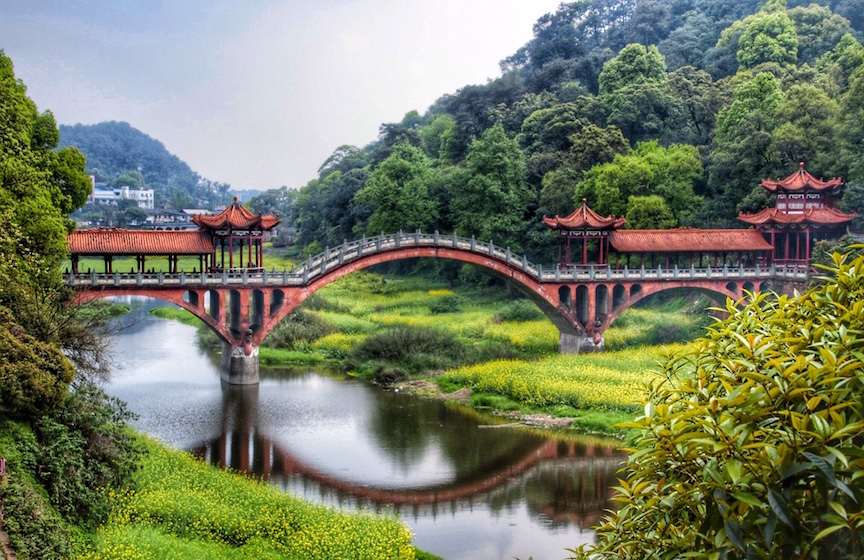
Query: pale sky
x,y
257,93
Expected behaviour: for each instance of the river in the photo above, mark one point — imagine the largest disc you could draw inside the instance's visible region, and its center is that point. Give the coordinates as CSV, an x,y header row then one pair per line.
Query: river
x,y
467,489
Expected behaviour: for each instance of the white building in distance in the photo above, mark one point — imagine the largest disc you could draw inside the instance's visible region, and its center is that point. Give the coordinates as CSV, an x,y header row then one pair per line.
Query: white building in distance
x,y
144,197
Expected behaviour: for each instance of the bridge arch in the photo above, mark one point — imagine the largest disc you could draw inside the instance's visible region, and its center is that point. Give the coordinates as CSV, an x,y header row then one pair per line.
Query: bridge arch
x,y
190,300
547,300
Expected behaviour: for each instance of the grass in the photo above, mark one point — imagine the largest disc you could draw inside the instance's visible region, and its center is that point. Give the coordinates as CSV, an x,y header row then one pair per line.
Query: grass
x,y
176,314
599,390
183,508
101,309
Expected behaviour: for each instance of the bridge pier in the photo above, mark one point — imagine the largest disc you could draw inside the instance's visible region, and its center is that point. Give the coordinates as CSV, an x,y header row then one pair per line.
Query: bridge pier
x,y
579,343
240,363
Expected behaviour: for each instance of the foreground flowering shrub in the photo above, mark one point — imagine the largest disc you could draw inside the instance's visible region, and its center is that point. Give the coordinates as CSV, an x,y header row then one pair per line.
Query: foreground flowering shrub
x,y
752,447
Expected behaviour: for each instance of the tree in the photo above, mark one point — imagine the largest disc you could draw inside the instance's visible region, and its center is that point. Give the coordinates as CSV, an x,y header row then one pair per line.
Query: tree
x,y
750,444
851,127
649,170
635,93
744,152
649,212
278,201
491,197
769,36
397,193
806,121
634,65
699,99
839,63
818,30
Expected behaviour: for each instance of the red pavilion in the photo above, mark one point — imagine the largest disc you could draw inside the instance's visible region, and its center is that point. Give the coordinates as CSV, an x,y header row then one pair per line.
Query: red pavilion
x,y
803,213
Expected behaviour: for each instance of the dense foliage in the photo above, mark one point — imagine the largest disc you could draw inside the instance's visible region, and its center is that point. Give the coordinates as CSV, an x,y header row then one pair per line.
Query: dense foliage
x,y
752,448
712,96
63,439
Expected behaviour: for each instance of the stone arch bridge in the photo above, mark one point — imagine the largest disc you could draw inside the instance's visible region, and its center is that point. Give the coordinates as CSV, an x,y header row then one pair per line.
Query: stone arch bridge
x,y
243,306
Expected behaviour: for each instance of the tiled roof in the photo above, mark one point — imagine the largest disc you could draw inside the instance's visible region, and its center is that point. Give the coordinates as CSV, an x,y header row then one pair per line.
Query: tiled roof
x,y
686,240
823,216
105,241
801,181
236,216
584,218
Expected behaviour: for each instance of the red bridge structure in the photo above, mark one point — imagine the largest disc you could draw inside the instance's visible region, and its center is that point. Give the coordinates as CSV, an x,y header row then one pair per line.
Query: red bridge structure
x,y
242,302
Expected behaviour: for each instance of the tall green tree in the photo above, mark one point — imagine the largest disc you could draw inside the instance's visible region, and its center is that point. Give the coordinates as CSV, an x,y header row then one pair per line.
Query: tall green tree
x,y
635,93
744,152
397,193
650,169
818,30
634,65
769,36
38,185
805,131
491,198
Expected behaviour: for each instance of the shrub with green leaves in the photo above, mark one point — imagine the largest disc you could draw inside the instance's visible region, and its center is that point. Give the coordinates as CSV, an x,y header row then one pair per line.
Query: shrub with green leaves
x,y
752,446
412,349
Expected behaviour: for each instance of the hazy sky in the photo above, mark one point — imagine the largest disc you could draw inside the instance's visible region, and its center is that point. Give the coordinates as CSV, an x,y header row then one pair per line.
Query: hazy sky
x,y
257,93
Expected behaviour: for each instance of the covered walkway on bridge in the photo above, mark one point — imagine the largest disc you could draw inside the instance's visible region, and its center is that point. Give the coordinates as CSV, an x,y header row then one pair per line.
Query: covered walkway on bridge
x,y
235,231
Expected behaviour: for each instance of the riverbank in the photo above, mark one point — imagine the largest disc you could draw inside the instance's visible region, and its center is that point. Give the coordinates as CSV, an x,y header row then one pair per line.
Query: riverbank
x,y
179,507
480,347
183,508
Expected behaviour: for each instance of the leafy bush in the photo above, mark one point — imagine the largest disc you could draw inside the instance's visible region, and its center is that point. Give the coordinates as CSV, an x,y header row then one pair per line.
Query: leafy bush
x,y
317,303
752,448
413,349
35,529
445,304
34,375
297,331
519,310
84,448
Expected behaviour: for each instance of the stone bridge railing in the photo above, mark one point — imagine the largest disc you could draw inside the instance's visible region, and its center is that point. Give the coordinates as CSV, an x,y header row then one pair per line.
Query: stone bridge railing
x,y
331,259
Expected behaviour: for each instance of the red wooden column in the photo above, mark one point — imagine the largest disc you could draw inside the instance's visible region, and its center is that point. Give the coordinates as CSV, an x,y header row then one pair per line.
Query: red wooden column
x,y
797,246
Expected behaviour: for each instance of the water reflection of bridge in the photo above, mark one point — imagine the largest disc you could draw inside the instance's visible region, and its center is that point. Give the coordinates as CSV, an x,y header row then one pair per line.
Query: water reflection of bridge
x,y
564,482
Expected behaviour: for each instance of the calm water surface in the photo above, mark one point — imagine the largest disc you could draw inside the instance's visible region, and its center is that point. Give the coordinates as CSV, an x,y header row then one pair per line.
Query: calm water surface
x,y
467,490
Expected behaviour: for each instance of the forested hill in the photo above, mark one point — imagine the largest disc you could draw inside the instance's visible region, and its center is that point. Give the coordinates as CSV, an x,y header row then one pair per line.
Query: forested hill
x,y
668,112
117,152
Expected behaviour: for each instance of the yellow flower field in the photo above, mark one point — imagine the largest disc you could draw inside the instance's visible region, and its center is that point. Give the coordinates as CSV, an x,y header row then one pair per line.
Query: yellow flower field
x,y
184,508
614,380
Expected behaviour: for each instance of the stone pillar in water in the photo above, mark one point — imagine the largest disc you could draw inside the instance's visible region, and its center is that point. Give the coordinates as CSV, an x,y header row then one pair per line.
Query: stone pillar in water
x,y
579,343
240,363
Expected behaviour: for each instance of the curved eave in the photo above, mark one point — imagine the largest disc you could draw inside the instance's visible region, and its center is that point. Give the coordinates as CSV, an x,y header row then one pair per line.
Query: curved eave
x,y
802,181
813,216
237,217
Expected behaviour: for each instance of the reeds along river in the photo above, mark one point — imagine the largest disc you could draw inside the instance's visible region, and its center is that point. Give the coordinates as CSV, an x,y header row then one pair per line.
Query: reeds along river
x,y
467,489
